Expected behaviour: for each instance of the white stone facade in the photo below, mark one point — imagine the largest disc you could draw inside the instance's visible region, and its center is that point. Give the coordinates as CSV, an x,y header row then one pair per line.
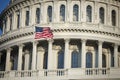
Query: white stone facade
x,y
85,46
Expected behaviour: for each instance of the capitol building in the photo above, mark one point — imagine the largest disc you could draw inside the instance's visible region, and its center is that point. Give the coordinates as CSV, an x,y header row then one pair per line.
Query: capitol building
x,y
85,43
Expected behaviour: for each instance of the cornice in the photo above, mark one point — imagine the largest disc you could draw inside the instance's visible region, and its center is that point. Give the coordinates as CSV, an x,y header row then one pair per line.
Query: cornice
x,y
24,34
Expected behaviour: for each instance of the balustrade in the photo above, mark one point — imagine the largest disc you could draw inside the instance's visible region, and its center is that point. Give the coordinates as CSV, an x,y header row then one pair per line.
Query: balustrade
x,y
96,71
57,72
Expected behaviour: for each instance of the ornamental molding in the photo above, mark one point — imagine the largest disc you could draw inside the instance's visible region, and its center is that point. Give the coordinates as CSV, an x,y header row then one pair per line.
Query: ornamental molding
x,y
73,47
104,50
5,38
90,49
56,47
41,49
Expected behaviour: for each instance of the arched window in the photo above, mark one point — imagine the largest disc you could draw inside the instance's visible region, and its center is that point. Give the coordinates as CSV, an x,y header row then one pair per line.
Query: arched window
x,y
27,18
62,13
88,60
89,13
75,12
10,21
38,15
60,60
103,60
74,62
113,16
18,19
45,60
49,13
101,15
5,29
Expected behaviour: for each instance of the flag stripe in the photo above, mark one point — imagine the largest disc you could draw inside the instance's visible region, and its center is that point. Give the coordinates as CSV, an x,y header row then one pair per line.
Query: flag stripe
x,y
43,32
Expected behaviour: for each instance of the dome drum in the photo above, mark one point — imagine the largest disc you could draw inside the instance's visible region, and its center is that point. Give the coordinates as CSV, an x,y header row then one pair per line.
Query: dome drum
x,y
85,43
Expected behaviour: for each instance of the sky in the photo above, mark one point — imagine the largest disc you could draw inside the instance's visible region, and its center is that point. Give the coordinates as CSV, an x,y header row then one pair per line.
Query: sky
x,y
3,4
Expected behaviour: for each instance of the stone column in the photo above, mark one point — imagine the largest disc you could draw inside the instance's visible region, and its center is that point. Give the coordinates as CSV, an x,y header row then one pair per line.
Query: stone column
x,y
83,11
7,66
20,53
119,17
50,54
93,59
3,24
109,57
22,17
27,60
100,43
0,56
83,53
34,55
96,13
14,22
40,58
8,24
108,12
67,10
54,11
66,58
42,13
33,14
116,55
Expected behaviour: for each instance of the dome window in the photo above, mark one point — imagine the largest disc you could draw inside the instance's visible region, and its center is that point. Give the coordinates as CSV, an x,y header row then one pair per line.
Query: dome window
x,y
75,12
113,16
89,13
49,14
62,13
101,15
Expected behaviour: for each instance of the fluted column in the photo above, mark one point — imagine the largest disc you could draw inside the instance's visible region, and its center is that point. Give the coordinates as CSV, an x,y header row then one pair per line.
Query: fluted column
x,y
3,30
66,54
0,56
119,17
20,52
8,24
14,25
116,55
7,66
27,60
83,11
93,59
95,18
67,10
34,54
40,58
109,59
100,43
22,17
50,54
32,13
83,53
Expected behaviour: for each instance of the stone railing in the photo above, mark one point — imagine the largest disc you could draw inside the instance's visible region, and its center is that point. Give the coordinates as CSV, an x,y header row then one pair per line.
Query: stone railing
x,y
97,71
57,73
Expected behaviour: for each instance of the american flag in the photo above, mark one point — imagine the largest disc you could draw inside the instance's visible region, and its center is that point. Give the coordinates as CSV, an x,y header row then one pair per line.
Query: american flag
x,y
43,32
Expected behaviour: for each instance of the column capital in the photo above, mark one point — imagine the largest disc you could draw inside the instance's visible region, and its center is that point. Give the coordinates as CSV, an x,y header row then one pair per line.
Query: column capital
x,y
100,42
116,44
26,51
1,53
50,40
40,49
67,40
21,45
35,42
83,40
9,49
